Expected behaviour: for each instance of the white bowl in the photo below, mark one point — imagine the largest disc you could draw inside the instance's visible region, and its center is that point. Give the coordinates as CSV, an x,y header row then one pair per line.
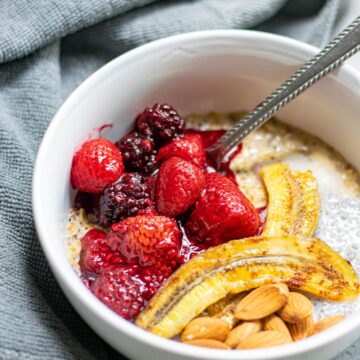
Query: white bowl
x,y
195,72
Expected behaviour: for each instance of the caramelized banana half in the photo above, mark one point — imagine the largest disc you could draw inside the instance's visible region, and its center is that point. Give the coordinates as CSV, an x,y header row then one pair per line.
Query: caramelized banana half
x,y
294,202
240,265
293,209
224,309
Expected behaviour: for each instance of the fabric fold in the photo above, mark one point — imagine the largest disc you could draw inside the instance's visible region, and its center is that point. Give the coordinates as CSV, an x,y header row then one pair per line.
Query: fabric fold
x,y
26,25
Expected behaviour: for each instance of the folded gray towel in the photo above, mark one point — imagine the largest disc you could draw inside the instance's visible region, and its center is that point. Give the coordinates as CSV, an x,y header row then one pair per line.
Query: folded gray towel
x,y
46,49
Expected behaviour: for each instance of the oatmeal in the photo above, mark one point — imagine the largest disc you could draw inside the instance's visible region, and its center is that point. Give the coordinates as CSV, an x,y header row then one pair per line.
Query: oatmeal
x,y
168,241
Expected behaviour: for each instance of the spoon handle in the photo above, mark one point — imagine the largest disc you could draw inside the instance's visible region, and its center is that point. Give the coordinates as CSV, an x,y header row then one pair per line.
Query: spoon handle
x,y
343,46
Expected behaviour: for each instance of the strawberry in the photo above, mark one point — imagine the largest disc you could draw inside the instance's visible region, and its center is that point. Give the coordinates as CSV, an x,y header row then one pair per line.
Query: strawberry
x,y
126,289
178,187
147,238
95,165
95,254
223,213
189,147
208,137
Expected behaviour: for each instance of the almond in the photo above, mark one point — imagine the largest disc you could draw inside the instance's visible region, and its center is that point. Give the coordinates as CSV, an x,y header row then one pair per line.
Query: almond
x,y
262,302
241,331
273,322
215,344
205,328
300,330
264,339
325,323
297,308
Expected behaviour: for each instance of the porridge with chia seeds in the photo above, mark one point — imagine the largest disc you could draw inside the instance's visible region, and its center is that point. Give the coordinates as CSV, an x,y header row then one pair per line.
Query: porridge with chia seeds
x,y
167,241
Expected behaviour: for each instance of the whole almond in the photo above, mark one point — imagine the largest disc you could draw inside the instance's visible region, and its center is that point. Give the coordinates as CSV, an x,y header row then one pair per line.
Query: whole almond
x,y
297,308
205,328
242,331
300,330
274,323
264,339
262,302
325,323
215,344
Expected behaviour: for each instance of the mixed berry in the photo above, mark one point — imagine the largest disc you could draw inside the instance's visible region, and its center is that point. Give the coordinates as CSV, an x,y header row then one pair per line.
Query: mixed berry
x,y
130,195
138,152
160,201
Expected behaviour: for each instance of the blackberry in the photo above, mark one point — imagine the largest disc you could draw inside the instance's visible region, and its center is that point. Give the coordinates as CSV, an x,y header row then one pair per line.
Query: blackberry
x,y
138,152
130,195
161,123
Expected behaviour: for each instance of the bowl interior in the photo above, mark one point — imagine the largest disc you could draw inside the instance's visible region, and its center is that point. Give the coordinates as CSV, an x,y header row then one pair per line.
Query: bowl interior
x,y
212,71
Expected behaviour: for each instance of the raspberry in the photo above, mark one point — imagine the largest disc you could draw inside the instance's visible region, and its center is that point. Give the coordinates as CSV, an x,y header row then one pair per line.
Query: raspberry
x,y
95,254
126,289
223,213
95,165
91,236
179,185
138,152
188,147
161,123
152,240
129,196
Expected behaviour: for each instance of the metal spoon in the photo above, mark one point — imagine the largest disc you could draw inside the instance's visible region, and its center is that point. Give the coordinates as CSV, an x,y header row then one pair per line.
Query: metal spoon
x,y
343,46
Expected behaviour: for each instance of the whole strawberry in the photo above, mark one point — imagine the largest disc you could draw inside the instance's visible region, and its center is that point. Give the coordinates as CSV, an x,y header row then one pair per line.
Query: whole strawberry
x,y
208,137
179,185
223,213
188,147
149,239
95,165
95,254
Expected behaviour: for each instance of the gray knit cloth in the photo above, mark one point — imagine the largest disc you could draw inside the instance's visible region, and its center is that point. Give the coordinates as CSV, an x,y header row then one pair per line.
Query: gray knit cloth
x,y
47,48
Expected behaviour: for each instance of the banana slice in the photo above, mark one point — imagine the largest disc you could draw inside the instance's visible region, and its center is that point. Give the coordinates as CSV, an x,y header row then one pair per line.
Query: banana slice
x,y
224,309
309,214
294,203
240,265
